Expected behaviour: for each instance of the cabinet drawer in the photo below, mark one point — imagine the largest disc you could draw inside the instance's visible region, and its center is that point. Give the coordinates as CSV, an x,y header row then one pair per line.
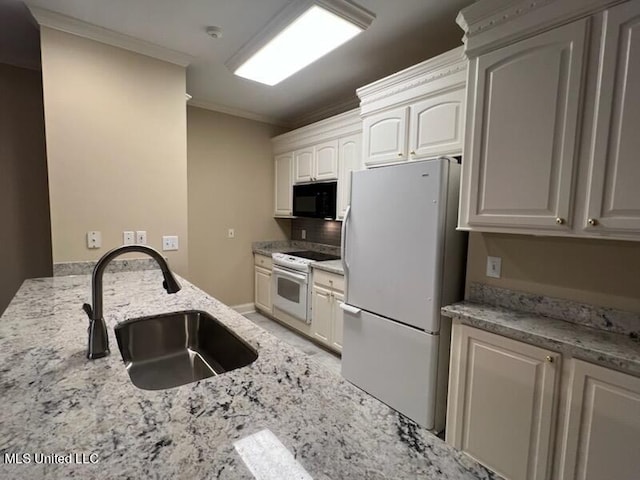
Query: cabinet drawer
x,y
263,261
330,280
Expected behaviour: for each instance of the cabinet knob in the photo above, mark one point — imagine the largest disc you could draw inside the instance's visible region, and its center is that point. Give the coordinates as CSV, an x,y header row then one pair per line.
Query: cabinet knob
x,y
592,222
560,221
399,154
549,359
413,152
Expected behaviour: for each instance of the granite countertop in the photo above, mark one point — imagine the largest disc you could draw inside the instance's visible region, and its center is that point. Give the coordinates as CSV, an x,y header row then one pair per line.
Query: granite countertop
x,y
606,348
55,401
332,266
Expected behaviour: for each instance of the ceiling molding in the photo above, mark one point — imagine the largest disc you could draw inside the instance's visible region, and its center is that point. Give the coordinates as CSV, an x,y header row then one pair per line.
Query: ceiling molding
x,y
236,112
57,21
325,112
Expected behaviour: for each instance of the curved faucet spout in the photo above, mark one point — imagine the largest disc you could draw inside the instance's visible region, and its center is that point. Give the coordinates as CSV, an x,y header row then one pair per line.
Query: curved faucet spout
x,y
98,338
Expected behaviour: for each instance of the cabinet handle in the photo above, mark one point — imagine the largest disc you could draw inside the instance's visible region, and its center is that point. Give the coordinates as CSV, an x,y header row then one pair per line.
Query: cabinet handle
x,y
560,221
549,359
592,222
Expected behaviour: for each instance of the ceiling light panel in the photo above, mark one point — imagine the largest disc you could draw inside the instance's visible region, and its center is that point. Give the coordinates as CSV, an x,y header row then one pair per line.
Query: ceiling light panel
x,y
312,34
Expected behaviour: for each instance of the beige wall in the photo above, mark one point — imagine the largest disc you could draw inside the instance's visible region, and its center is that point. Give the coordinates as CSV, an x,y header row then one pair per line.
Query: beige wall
x,y
116,143
231,182
25,234
599,272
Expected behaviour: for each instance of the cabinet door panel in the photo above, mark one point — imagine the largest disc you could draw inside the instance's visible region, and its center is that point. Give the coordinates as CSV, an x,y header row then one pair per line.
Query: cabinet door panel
x,y
326,161
435,125
385,137
524,130
504,405
614,200
602,439
338,321
284,183
321,314
349,152
262,287
304,165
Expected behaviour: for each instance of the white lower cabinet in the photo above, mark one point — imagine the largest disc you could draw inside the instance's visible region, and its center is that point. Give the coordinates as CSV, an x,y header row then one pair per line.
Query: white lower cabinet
x,y
601,434
326,315
262,283
505,401
501,402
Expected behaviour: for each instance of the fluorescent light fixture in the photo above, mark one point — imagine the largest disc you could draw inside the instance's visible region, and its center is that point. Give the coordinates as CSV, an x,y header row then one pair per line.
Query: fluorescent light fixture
x,y
308,34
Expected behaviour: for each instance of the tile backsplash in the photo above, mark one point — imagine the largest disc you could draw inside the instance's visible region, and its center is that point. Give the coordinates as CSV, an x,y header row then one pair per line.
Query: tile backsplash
x,y
317,230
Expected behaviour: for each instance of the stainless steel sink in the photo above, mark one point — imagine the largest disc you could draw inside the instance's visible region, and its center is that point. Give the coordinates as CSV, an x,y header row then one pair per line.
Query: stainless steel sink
x,y
172,349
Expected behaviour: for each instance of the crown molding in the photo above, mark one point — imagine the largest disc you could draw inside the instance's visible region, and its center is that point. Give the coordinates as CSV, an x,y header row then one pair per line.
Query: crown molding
x,y
64,23
325,112
446,71
491,24
346,123
236,112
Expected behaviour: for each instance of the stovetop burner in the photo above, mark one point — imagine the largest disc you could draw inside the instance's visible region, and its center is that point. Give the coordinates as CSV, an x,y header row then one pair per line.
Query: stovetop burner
x,y
315,256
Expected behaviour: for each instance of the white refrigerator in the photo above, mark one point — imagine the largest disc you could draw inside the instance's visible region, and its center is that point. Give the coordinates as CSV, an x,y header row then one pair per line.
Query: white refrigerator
x,y
403,260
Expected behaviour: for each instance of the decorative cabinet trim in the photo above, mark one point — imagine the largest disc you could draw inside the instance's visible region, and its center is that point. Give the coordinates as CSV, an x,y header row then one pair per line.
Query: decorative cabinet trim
x,y
444,72
491,24
331,128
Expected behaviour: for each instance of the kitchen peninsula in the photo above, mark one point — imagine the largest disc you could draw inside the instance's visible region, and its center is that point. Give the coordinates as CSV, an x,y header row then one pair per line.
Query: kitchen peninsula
x,y
55,401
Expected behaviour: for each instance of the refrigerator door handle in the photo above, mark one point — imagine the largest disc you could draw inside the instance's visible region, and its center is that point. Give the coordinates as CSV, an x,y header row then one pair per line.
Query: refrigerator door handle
x,y
350,309
343,245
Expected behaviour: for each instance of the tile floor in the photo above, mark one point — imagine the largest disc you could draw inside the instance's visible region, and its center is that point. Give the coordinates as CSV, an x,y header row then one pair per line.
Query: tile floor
x,y
322,356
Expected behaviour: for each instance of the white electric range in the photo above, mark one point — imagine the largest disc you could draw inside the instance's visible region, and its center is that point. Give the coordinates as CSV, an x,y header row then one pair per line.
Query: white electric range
x,y
291,285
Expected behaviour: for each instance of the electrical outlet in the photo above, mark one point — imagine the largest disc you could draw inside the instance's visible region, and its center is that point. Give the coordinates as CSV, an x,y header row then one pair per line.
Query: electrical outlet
x,y
494,267
141,237
231,233
303,234
94,239
128,237
169,242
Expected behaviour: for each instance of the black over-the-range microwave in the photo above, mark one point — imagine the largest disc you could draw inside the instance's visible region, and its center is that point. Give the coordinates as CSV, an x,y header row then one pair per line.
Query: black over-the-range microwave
x,y
315,200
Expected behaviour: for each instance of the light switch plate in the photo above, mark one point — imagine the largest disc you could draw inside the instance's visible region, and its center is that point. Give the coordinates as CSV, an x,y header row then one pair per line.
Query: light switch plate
x,y
494,267
128,237
169,242
141,237
94,239
231,233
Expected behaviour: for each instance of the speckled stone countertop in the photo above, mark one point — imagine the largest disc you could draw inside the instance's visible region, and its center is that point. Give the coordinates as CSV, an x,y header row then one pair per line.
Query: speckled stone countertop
x,y
333,266
55,401
610,345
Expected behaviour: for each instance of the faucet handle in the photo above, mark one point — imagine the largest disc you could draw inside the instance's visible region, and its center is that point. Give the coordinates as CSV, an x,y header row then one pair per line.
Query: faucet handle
x,y
89,311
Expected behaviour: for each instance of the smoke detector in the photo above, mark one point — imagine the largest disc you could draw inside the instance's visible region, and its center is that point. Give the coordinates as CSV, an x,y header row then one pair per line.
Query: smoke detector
x,y
214,32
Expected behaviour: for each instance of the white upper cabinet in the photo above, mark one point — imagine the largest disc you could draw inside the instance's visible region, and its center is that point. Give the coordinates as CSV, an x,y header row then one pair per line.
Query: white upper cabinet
x,y
349,152
416,113
521,153
553,108
323,151
614,194
283,184
437,124
304,165
326,161
385,137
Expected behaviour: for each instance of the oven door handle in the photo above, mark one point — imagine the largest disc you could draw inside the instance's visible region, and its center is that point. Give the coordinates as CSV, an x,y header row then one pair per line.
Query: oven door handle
x,y
293,276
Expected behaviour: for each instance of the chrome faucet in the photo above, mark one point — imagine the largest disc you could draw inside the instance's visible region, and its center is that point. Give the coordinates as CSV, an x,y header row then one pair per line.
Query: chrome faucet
x,y
98,338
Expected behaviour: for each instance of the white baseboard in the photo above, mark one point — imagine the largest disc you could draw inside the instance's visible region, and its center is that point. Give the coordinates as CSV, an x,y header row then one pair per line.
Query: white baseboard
x,y
244,308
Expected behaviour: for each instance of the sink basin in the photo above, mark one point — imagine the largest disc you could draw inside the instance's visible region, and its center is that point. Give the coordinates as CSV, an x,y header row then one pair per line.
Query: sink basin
x,y
173,349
